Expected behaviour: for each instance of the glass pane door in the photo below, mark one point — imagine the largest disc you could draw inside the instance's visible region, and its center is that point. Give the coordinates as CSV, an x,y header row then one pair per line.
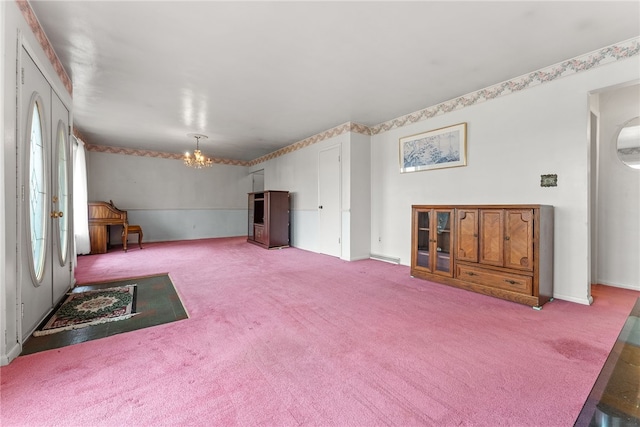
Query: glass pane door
x,y
37,192
61,216
424,239
443,241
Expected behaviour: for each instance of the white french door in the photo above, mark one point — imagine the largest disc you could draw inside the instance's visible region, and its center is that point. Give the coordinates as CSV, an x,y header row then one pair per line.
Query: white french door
x,y
44,220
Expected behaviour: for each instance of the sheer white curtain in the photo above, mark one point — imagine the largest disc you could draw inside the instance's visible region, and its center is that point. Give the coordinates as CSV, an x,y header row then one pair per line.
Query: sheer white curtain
x,y
80,195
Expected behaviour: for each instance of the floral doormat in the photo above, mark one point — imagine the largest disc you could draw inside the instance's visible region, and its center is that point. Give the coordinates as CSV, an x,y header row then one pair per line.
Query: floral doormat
x,y
82,309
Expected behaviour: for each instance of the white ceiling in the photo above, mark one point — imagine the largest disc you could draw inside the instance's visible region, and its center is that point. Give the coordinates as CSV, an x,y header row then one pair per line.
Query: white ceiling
x,y
257,76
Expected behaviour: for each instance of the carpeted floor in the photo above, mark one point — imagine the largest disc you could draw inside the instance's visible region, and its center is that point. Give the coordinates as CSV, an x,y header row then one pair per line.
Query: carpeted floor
x,y
289,337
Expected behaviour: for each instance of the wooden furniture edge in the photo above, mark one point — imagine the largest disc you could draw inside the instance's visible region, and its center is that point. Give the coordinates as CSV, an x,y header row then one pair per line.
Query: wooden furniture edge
x,y
481,289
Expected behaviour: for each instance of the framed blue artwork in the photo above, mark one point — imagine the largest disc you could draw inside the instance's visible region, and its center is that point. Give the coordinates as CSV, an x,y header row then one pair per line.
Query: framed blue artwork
x,y
440,148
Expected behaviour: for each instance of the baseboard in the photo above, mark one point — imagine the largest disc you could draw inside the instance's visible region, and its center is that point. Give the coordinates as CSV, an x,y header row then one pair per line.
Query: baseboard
x,y
617,285
583,301
359,258
385,258
12,354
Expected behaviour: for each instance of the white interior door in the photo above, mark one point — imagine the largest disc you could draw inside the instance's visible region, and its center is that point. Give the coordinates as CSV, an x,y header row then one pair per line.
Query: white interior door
x,y
329,201
45,194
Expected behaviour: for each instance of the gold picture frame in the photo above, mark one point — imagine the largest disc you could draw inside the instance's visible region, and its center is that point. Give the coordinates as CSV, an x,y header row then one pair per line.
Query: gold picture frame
x,y
439,148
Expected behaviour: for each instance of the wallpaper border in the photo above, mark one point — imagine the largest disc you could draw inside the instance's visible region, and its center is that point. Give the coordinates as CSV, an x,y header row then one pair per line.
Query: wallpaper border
x,y
156,154
333,132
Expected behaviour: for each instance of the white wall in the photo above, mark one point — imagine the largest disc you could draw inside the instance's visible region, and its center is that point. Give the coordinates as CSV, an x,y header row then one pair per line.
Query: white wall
x,y
360,197
594,123
618,227
169,200
512,140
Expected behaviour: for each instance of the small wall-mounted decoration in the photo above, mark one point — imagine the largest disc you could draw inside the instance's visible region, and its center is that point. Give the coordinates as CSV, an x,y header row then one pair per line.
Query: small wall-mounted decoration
x,y
550,180
439,148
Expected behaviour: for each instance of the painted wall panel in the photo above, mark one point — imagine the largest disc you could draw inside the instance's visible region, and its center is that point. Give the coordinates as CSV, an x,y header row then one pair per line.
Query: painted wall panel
x,y
184,224
157,183
360,195
304,229
169,200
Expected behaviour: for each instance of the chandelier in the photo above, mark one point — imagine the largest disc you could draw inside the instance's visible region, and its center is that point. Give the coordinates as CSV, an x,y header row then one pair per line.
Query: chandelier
x,y
198,160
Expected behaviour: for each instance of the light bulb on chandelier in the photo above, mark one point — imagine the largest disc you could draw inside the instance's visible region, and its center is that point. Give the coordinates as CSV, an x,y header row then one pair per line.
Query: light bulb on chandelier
x,y
198,160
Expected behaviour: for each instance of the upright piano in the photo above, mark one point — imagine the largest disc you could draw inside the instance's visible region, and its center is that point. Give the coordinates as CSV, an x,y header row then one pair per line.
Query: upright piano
x,y
101,215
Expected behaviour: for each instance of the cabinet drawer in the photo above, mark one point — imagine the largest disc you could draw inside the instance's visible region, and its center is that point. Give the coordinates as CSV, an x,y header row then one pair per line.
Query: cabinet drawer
x,y
495,279
259,234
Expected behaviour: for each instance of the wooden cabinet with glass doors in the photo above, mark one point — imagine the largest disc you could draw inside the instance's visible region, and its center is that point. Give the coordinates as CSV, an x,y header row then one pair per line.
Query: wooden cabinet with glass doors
x,y
505,251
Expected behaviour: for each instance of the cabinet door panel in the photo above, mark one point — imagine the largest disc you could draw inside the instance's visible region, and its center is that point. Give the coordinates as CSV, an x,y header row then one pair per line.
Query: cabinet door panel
x,y
422,239
251,216
260,234
492,236
519,239
467,235
441,248
432,241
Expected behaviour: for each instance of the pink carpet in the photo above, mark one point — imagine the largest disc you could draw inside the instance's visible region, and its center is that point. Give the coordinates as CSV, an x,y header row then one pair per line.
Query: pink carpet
x,y
288,337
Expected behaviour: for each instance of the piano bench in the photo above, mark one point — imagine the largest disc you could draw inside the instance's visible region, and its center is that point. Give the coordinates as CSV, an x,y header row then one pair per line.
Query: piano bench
x,y
131,229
